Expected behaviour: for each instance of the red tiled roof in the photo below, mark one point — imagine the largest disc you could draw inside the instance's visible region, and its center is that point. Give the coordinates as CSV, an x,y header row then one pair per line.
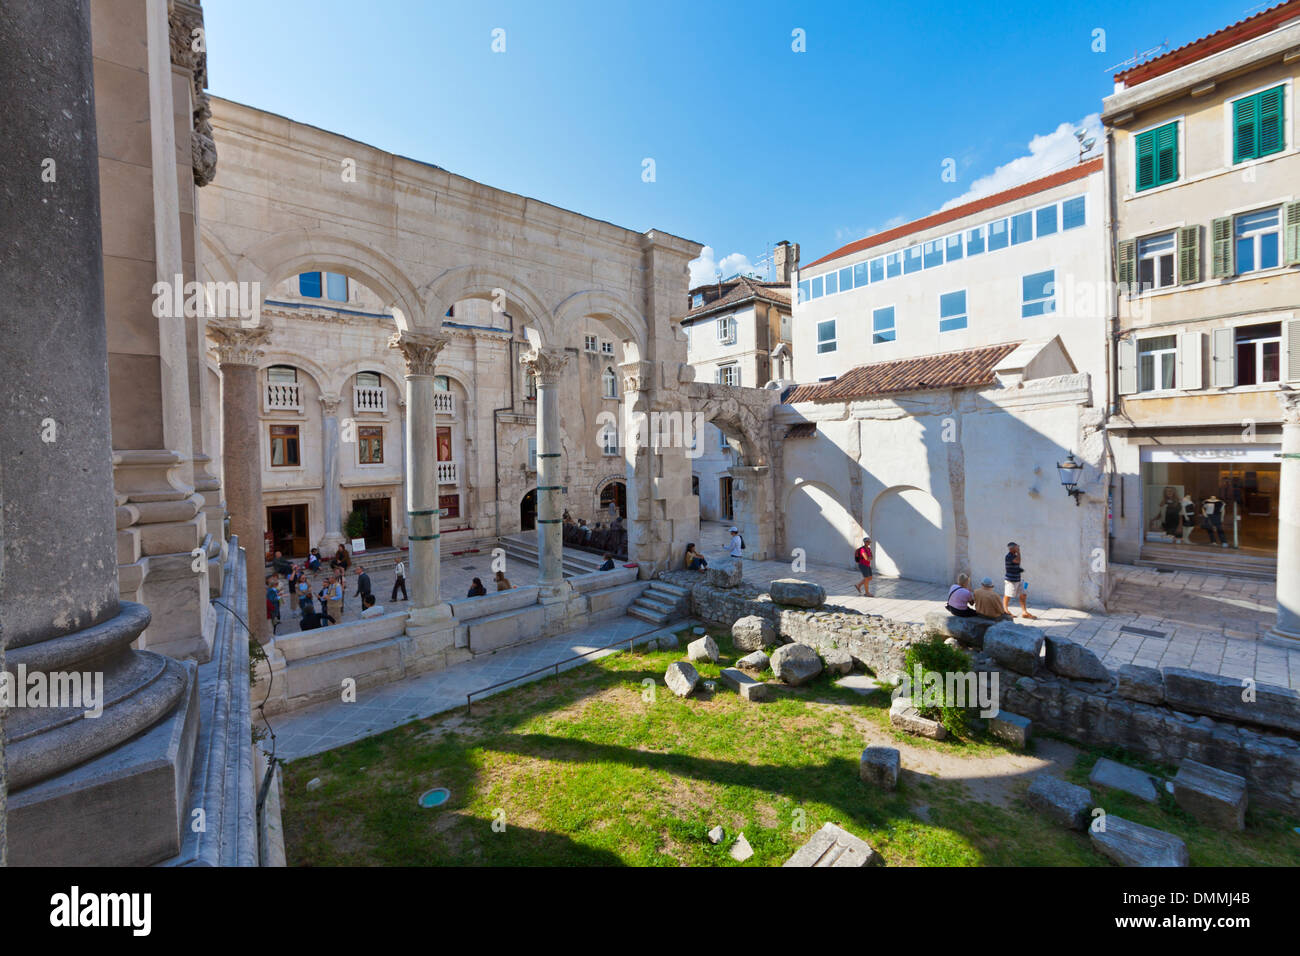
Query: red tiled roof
x,y
742,289
973,367
1216,42
967,209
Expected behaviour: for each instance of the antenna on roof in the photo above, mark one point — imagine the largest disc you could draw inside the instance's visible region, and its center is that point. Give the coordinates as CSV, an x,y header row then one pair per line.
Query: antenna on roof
x,y
1139,57
763,264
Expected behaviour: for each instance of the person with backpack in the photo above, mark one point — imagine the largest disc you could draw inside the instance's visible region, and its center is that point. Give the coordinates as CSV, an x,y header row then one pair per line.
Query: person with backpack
x,y
862,557
737,543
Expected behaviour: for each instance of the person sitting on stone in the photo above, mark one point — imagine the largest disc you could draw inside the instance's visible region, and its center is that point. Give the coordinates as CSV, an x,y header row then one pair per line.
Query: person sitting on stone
x,y
503,583
477,589
694,561
987,601
369,608
959,598
609,562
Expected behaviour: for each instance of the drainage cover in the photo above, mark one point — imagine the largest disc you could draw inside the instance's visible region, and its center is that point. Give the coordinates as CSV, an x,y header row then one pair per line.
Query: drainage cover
x,y
1129,629
435,797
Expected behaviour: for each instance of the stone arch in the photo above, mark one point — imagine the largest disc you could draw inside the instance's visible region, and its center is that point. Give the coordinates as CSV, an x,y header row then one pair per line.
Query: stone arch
x,y
286,254
274,356
737,421
817,521
909,536
388,366
480,282
611,309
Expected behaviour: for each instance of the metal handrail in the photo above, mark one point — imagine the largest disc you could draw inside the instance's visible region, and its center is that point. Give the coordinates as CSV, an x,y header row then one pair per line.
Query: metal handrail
x,y
595,650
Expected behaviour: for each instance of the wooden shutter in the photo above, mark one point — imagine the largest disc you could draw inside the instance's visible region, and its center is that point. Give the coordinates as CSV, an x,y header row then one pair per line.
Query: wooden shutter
x,y
1223,259
1245,129
1189,360
1270,136
1126,362
1291,233
1223,372
1167,154
1189,255
1291,350
1126,265
1145,172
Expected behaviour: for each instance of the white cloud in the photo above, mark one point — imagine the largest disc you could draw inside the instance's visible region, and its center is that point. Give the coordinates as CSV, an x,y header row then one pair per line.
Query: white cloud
x,y
706,268
1048,153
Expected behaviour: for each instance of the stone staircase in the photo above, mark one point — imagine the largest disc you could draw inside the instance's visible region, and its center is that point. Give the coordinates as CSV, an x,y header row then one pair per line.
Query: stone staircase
x,y
1211,560
523,547
661,603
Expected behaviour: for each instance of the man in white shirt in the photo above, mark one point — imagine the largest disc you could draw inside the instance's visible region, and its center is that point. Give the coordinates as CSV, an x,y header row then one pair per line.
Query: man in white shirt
x,y
737,543
399,581
370,608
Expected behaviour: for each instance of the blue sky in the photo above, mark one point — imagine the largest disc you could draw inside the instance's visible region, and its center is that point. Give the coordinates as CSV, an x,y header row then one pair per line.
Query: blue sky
x,y
752,142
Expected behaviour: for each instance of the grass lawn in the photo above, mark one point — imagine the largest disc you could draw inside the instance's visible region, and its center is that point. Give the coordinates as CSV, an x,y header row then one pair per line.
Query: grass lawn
x,y
593,767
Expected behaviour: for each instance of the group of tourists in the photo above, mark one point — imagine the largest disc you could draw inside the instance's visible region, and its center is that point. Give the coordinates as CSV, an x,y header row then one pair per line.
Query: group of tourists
x,y
311,599
983,601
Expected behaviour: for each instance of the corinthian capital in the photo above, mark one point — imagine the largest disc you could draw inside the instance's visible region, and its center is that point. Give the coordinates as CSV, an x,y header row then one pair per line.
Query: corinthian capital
x,y
236,344
1289,398
546,364
420,349
637,376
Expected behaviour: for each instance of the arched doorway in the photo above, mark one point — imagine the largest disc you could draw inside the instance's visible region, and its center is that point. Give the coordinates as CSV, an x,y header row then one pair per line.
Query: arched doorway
x,y
909,536
528,512
613,494
817,522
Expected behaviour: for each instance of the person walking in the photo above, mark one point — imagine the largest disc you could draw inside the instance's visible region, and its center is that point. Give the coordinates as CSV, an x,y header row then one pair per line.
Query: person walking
x,y
292,582
273,602
1015,585
862,557
960,598
737,543
363,583
399,581
304,586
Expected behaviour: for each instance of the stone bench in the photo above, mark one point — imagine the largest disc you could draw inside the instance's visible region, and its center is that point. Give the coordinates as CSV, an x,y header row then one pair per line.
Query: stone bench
x,y
1214,797
746,686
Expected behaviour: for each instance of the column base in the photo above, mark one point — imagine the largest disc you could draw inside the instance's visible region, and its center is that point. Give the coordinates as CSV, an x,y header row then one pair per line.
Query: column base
x,y
554,593
426,620
1283,637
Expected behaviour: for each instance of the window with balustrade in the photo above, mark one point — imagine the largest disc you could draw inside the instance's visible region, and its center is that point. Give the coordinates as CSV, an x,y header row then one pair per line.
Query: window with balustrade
x,y
283,392
368,393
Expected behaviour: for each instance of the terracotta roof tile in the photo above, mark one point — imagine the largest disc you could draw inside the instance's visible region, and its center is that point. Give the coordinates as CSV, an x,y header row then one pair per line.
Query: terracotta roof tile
x,y
966,209
971,368
1216,42
742,289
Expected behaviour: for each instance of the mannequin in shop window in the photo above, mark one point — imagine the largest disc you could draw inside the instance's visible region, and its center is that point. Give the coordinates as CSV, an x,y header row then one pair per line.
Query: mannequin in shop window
x,y
1171,514
1212,519
1188,516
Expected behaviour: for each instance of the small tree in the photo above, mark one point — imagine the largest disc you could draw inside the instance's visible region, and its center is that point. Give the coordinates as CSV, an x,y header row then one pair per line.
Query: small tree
x,y
939,658
355,526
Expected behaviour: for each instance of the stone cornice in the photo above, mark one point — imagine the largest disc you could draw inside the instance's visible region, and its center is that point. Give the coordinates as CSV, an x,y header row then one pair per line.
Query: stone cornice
x,y
420,349
236,344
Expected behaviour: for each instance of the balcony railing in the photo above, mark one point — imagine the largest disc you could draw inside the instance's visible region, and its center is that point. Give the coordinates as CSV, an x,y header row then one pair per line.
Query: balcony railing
x,y
444,403
283,396
448,472
369,399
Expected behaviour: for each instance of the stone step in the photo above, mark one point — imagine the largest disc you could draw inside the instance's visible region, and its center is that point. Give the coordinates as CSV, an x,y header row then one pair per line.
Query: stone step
x,y
651,601
652,617
673,589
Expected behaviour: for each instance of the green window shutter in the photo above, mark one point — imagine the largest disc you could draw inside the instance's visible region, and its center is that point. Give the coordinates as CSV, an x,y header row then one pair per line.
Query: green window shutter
x,y
1126,264
1271,137
1291,233
1145,169
1166,154
1245,129
1189,255
1223,264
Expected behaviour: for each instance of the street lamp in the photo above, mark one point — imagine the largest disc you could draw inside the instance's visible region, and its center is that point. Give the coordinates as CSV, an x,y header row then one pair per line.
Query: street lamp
x,y
1069,471
1086,142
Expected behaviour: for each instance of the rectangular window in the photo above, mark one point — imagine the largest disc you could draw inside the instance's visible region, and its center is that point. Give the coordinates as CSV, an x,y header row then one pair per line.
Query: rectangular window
x,y
846,278
589,343
832,283
878,269
443,436
1046,221
1157,359
860,275
1257,125
532,454
1157,157
1022,228
1073,212
727,330
1258,240
728,374
370,444
1156,262
530,386
997,235
882,325
912,260
975,241
450,505
606,348
826,336
1259,354
933,253
804,289
952,311
309,285
697,300
336,287
894,264
953,251
1038,291
817,287
284,446
609,440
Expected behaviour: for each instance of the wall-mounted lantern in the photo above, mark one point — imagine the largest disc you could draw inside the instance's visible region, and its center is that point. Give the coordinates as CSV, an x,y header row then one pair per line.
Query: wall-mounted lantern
x,y
1069,471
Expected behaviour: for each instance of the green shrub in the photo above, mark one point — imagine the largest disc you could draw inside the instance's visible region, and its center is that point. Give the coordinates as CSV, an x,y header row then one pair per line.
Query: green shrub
x,y
936,657
355,526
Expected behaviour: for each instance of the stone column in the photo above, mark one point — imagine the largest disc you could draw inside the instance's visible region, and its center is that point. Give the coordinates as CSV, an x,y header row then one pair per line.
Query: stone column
x,y
330,475
84,789
752,486
1288,522
238,352
420,349
547,365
